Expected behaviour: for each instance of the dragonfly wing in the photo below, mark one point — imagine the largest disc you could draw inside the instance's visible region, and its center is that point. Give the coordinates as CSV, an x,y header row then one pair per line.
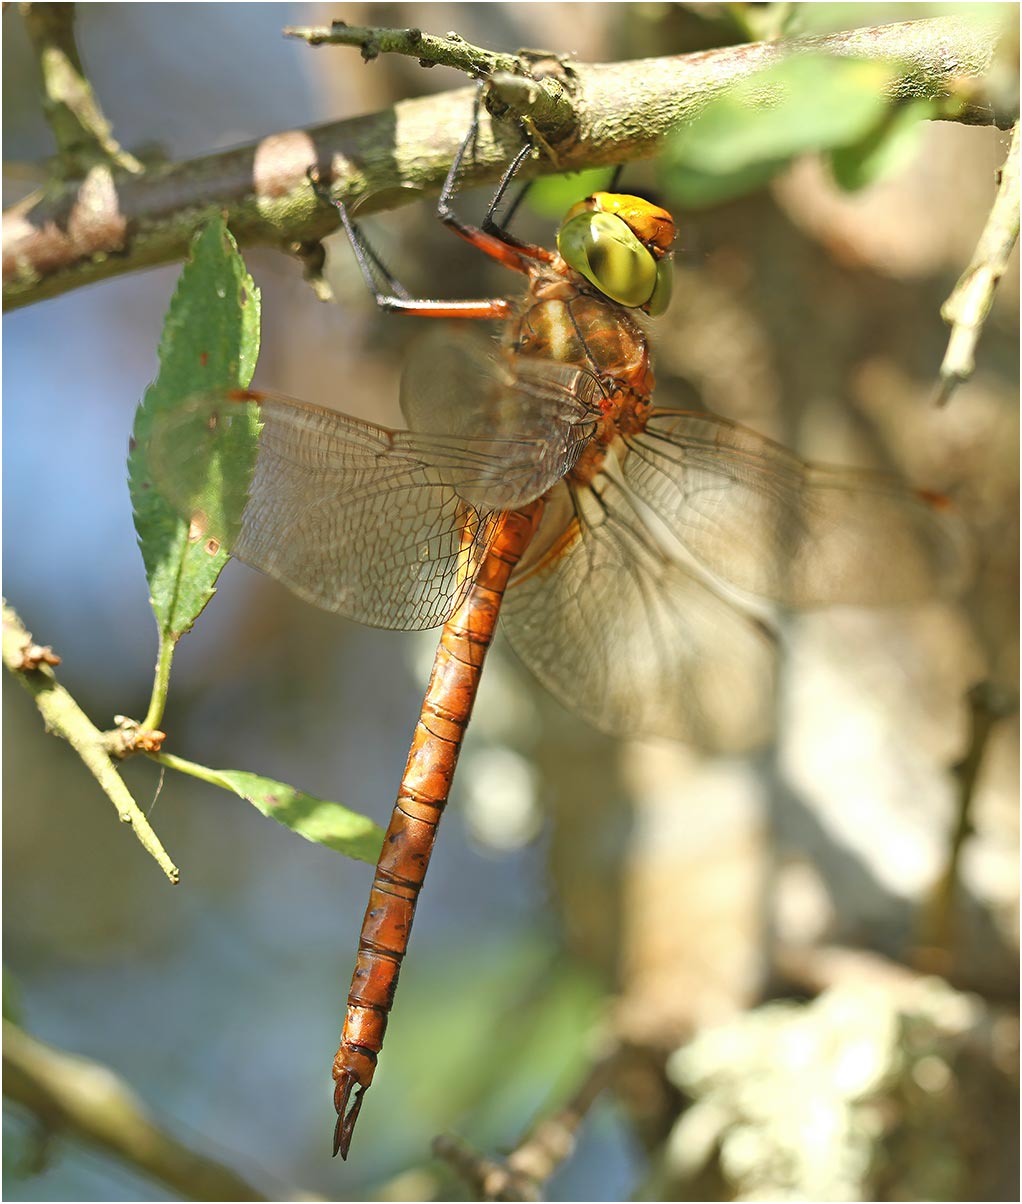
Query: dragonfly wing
x,y
354,518
529,418
632,641
755,515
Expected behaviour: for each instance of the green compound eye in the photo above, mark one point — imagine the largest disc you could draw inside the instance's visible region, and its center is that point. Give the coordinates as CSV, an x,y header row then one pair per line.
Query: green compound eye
x,y
602,248
661,298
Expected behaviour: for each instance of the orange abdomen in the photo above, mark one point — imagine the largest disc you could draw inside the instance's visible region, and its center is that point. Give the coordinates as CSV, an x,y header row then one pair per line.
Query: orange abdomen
x,y
426,782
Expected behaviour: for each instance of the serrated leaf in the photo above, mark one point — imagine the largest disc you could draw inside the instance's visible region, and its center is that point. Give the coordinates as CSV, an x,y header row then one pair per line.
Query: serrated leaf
x,y
209,344
892,144
201,457
316,819
750,132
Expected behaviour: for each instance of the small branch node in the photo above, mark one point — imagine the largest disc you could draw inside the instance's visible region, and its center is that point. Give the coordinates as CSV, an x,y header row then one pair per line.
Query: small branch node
x,y
130,736
34,655
312,256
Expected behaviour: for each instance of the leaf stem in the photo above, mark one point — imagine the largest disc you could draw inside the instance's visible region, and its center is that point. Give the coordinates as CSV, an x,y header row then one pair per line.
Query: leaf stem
x,y
189,767
161,683
65,718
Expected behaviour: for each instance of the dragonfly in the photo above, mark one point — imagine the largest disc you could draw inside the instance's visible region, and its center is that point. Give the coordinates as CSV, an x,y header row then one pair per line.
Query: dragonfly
x,y
632,553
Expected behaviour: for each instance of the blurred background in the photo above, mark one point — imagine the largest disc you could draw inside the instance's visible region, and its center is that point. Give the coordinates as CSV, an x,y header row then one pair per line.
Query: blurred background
x,y
808,1012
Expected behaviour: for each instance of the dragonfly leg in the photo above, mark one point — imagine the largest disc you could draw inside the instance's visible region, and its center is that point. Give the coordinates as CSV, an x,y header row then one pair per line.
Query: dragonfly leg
x,y
368,260
398,300
491,239
490,223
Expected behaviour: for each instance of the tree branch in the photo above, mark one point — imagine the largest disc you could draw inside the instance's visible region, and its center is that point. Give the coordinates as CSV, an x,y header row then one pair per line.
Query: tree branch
x,y
935,945
31,665
966,310
110,223
81,131
523,1173
430,50
91,1103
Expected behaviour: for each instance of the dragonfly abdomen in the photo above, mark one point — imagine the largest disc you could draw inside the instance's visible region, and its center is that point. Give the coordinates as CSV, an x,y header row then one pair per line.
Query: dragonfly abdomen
x,y
421,800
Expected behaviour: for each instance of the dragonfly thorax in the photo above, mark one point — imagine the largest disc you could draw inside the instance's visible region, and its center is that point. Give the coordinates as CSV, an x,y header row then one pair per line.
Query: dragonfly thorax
x,y
566,320
614,258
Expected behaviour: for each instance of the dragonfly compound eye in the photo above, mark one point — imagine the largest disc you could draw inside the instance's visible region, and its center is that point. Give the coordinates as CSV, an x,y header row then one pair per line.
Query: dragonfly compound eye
x,y
602,248
664,287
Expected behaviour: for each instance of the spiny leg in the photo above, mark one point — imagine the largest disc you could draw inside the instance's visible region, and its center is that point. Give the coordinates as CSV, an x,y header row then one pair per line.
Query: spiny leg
x,y
398,299
490,223
369,261
490,238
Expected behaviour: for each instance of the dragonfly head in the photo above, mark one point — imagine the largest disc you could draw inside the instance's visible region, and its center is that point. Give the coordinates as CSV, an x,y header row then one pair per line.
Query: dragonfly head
x,y
622,244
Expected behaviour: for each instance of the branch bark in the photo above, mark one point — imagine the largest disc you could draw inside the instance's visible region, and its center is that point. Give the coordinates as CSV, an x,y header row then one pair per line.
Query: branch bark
x,y
111,222
966,310
90,1102
31,665
523,1173
82,133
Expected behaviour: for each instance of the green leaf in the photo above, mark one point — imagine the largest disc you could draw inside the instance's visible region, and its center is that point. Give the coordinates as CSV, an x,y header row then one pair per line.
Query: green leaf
x,y
209,344
746,135
891,144
316,819
553,196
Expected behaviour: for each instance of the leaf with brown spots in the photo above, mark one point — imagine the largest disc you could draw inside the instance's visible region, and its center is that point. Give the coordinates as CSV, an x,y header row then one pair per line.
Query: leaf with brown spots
x,y
210,342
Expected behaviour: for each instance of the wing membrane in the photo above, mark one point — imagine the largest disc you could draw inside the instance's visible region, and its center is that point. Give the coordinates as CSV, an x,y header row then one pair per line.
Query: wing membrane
x,y
531,417
385,527
755,515
632,641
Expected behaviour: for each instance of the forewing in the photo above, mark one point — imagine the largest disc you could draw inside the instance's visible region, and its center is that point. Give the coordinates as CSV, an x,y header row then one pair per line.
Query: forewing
x,y
528,418
755,515
631,641
354,518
